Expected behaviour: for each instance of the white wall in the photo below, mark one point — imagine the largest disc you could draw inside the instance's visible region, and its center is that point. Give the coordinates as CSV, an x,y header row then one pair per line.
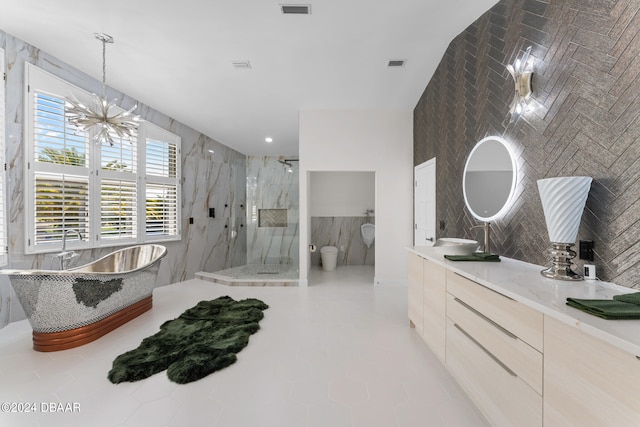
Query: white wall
x,y
377,141
341,193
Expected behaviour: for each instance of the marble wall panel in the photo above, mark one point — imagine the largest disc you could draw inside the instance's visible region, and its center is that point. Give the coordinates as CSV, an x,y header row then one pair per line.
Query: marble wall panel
x,y
5,301
213,175
342,232
271,186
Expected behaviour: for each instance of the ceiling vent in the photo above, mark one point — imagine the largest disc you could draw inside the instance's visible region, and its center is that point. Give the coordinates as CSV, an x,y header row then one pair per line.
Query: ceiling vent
x,y
396,63
241,65
295,9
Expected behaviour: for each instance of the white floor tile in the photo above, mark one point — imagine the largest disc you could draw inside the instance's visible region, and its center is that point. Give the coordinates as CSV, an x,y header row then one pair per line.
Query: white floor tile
x,y
329,414
339,353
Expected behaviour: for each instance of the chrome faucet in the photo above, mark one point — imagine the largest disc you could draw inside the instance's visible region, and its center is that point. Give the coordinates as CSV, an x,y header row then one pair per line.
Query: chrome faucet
x,y
66,257
64,237
486,228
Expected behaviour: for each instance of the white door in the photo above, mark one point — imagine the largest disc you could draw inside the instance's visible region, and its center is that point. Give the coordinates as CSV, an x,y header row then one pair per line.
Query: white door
x,y
424,202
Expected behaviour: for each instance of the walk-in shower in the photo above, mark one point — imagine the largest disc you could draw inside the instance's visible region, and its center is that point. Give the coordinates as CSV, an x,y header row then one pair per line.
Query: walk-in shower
x,y
271,225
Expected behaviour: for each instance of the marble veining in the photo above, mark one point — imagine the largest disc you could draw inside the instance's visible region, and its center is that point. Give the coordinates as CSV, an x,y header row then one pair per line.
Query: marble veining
x,y
342,232
214,175
522,282
271,186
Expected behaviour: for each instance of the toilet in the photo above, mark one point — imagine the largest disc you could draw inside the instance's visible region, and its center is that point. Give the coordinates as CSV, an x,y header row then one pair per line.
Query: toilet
x,y
329,256
368,232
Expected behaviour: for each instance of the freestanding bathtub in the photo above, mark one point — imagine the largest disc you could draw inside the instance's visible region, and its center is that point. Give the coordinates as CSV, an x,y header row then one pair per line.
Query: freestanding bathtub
x,y
69,308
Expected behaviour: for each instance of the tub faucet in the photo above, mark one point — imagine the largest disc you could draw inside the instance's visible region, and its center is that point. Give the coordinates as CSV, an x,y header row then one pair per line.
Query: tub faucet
x,y
64,237
67,257
486,228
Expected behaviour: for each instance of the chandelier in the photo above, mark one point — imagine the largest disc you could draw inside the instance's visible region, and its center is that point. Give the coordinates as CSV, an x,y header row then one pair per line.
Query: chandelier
x,y
102,116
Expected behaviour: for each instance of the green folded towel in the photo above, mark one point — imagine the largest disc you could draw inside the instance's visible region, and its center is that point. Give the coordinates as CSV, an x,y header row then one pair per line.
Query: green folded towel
x,y
476,256
630,298
606,308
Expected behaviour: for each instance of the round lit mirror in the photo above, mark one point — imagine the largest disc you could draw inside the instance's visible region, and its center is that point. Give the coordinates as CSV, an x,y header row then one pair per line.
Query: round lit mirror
x,y
489,179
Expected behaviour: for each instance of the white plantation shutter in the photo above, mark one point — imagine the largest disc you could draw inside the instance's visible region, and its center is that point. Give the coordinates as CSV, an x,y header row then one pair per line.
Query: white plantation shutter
x,y
161,158
118,210
122,156
61,202
112,194
118,192
54,140
59,175
162,178
3,207
161,210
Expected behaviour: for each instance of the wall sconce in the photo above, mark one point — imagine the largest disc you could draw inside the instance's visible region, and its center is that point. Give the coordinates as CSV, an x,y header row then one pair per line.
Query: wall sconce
x,y
522,73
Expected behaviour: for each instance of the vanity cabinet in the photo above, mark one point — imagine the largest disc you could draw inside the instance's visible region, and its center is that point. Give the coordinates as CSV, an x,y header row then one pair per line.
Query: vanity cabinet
x,y
494,350
521,354
588,382
434,307
415,292
427,296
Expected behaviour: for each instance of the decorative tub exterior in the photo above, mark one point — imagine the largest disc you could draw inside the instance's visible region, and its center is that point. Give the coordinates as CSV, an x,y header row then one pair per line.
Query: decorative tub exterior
x,y
69,308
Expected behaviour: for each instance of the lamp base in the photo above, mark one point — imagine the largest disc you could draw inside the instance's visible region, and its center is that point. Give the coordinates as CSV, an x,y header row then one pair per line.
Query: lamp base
x,y
562,256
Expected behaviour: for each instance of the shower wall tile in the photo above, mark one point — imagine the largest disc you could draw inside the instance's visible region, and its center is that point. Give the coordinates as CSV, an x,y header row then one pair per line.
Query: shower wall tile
x,y
345,232
209,180
5,301
270,186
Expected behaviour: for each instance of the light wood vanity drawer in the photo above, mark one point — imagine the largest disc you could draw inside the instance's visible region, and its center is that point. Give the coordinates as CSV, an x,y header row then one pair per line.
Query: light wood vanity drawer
x,y
524,360
505,399
588,382
524,322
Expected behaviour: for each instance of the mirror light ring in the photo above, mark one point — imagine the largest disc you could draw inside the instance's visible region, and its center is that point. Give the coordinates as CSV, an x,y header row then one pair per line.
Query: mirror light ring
x,y
509,200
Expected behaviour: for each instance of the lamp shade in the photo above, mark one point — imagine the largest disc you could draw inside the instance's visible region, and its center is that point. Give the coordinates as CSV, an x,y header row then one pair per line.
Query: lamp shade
x,y
563,201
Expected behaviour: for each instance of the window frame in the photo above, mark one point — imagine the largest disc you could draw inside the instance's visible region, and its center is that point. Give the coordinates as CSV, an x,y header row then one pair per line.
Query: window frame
x,y
156,133
40,81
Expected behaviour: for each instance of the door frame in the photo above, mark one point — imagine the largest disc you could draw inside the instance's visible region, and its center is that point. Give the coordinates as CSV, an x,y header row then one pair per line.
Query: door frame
x,y
432,184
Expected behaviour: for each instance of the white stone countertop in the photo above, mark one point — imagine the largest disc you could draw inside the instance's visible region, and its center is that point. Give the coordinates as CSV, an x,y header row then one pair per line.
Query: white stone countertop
x,y
523,282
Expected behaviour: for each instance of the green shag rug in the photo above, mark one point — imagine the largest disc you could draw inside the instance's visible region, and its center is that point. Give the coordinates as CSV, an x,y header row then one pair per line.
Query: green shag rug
x,y
202,340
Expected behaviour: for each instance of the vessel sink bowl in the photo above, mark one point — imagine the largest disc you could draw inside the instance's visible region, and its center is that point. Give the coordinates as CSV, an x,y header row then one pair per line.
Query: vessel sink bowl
x,y
453,246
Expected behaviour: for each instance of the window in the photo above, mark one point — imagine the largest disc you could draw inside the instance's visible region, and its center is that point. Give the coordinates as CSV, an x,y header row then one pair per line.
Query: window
x,y
3,212
108,195
162,185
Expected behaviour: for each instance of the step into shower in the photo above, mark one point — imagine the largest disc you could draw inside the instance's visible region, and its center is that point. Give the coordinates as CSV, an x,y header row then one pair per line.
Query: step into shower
x,y
254,275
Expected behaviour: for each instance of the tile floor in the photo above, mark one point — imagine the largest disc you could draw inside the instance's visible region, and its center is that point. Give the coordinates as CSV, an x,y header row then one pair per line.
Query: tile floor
x,y
336,354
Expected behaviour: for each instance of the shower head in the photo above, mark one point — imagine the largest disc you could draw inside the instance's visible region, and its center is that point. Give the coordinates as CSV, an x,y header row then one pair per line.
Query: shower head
x,y
287,163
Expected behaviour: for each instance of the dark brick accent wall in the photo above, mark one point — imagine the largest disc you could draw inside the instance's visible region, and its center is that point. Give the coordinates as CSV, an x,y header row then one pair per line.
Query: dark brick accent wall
x,y
584,119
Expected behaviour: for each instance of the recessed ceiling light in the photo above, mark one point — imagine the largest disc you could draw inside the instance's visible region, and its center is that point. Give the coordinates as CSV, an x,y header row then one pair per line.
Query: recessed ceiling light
x,y
268,139
211,151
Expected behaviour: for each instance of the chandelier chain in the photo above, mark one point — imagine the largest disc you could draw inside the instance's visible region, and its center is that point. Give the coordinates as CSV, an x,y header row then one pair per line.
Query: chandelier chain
x,y
104,68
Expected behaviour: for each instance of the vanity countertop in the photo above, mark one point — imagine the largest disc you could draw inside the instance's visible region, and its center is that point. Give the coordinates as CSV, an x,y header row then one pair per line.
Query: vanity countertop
x,y
523,282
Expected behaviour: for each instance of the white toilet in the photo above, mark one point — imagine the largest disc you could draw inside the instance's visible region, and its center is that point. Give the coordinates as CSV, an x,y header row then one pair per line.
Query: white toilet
x,y
329,256
368,232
